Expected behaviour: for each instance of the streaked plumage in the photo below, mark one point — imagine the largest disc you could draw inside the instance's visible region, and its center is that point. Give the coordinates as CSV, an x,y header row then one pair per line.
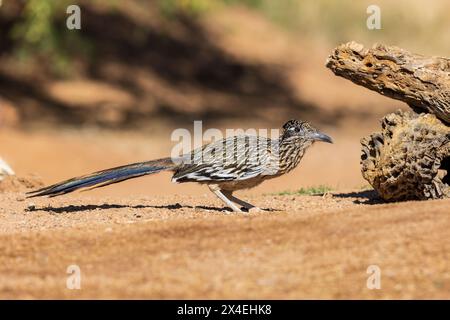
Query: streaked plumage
x,y
231,164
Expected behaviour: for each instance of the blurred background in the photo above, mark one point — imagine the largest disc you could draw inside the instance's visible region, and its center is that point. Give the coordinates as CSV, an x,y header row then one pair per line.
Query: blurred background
x,y
75,101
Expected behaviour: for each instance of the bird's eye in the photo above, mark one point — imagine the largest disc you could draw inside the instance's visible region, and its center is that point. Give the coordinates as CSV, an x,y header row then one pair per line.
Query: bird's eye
x,y
294,129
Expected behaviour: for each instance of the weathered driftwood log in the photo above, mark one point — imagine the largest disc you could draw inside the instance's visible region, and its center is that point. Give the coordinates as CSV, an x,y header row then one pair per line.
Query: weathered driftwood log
x,y
422,82
409,159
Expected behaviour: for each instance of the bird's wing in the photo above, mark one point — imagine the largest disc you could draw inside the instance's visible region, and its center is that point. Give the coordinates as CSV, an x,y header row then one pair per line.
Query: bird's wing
x,y
235,158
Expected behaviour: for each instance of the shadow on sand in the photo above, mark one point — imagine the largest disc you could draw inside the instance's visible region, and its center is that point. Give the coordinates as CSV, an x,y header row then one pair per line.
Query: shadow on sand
x,y
82,208
362,197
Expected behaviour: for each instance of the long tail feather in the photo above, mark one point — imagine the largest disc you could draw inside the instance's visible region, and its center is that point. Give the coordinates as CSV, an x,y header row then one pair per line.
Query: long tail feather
x,y
105,177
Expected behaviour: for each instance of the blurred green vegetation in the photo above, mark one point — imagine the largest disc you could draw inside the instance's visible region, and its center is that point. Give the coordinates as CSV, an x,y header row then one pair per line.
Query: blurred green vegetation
x,y
37,33
193,7
418,25
309,191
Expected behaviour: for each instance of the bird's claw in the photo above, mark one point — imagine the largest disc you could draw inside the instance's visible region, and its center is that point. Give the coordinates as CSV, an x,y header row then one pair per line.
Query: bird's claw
x,y
254,210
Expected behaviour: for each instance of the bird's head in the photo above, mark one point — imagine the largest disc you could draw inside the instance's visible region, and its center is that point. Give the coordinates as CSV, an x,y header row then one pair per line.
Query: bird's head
x,y
302,130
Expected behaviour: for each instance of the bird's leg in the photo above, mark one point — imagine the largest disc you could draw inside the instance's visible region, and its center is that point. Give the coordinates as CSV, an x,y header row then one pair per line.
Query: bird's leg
x,y
246,205
216,190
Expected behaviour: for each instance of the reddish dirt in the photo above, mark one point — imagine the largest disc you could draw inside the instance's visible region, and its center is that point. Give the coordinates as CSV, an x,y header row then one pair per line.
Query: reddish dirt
x,y
149,238
166,247
17,184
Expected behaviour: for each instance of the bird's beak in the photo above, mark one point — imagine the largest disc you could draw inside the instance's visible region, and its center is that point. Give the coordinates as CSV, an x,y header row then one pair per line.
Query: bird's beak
x,y
319,136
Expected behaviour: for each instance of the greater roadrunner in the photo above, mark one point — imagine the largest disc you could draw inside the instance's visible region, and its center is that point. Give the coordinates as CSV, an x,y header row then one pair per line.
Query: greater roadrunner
x,y
227,165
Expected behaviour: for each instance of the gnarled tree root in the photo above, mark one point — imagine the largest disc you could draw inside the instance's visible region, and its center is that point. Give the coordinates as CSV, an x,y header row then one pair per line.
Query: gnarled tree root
x,y
409,159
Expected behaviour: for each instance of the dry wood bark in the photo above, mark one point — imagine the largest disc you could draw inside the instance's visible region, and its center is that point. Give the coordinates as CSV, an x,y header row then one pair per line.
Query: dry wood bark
x,y
409,159
422,82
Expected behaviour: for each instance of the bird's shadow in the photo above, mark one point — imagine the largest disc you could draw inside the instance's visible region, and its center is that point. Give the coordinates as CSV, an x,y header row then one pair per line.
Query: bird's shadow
x,y
368,197
91,207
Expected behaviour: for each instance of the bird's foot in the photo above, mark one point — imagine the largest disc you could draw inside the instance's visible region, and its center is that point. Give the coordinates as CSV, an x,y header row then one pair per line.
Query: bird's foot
x,y
254,210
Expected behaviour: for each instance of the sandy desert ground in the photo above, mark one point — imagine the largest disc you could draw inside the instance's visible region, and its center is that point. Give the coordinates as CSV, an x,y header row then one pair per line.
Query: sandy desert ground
x,y
149,238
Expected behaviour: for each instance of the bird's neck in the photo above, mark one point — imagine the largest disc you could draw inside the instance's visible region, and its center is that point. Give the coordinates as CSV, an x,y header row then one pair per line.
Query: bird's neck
x,y
291,152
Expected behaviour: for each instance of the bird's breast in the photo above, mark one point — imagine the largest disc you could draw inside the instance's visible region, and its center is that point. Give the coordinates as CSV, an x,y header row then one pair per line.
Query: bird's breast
x,y
290,157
